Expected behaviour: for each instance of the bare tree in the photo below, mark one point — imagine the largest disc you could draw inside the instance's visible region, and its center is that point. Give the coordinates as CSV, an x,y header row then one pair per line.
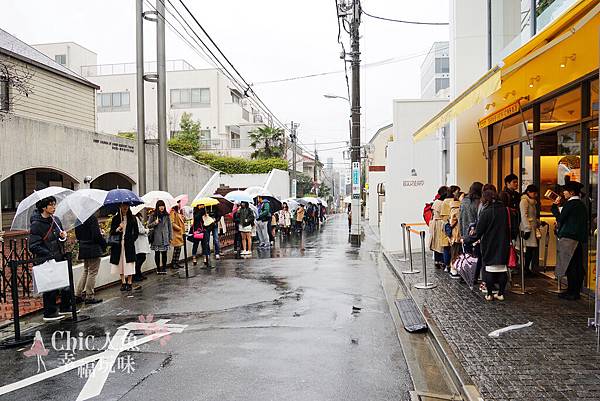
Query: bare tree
x,y
18,77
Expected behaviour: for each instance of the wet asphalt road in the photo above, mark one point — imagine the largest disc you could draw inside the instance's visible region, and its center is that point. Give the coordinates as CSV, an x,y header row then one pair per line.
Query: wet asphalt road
x,y
279,326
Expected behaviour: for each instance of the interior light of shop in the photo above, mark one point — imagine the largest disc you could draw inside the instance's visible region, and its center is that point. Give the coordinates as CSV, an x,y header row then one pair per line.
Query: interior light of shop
x,y
545,126
566,59
511,93
490,105
533,80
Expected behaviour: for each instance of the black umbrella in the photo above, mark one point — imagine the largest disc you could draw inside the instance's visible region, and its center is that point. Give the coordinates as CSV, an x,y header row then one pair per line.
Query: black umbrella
x,y
273,202
225,206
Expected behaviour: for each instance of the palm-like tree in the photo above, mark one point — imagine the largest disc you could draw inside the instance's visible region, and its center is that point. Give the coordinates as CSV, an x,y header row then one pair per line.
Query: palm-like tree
x,y
268,142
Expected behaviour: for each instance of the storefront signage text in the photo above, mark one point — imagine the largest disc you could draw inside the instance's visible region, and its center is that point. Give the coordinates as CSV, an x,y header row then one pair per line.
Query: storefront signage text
x,y
413,183
499,115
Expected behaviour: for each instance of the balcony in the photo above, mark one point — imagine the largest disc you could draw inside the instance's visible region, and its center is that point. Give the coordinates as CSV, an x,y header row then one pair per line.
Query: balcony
x,y
130,68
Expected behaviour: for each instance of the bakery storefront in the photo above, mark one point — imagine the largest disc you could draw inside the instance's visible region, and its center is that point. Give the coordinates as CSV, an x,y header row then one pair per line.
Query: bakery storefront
x,y
544,127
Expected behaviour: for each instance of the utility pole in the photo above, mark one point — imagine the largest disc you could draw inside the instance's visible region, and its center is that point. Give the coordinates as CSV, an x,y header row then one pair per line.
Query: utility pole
x,y
293,140
355,137
161,100
315,175
141,122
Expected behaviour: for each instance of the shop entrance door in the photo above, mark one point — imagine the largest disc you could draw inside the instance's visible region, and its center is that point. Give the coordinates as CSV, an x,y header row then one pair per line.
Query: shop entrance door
x,y
557,158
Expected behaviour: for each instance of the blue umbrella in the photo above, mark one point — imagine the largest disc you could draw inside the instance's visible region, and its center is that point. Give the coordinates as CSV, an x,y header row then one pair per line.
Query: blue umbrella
x,y
119,196
239,196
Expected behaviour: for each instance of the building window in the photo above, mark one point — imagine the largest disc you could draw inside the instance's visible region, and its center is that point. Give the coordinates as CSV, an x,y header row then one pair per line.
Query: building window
x,y
441,83
112,101
13,191
190,98
235,98
245,115
61,59
594,98
442,65
204,134
4,104
561,110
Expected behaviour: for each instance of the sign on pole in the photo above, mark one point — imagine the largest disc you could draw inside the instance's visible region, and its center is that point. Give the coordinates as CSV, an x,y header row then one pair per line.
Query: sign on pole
x,y
294,183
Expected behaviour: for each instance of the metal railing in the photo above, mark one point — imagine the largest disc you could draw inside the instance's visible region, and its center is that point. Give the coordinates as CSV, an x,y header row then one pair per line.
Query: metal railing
x,y
130,68
407,230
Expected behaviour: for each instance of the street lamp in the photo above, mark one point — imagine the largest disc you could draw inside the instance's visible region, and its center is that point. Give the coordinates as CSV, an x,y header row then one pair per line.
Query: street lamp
x,y
329,96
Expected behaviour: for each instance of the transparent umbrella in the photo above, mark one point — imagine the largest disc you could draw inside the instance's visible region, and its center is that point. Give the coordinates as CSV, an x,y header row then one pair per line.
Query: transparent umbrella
x,y
151,198
22,218
76,208
255,191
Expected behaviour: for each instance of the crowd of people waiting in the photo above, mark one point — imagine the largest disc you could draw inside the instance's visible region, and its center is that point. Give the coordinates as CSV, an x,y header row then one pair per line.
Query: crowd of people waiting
x,y
491,225
132,237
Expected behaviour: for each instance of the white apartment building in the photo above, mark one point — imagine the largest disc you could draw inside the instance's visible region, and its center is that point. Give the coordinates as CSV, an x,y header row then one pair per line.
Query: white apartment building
x,y
435,71
225,117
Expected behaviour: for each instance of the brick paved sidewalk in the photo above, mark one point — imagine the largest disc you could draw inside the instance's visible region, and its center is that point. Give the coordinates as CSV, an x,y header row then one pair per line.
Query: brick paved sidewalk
x,y
555,359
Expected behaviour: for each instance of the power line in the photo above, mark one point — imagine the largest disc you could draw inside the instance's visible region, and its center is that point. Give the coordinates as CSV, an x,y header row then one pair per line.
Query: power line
x,y
403,21
364,66
248,86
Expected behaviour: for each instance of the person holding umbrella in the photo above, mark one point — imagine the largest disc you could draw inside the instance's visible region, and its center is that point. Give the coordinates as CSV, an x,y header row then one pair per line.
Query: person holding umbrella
x,y
178,230
142,247
46,238
123,227
161,236
262,229
197,234
211,225
91,248
245,216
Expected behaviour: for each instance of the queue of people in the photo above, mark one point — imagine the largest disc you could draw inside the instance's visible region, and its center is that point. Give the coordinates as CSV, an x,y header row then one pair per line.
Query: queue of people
x,y
133,233
492,225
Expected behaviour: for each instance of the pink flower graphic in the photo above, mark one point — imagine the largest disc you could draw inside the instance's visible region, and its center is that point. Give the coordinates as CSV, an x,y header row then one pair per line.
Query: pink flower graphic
x,y
155,328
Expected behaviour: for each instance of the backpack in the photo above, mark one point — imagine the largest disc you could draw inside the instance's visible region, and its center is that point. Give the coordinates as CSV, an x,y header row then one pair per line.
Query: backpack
x,y
428,212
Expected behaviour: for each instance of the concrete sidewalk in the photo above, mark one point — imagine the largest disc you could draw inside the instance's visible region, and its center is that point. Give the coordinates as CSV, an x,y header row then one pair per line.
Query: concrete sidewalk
x,y
554,359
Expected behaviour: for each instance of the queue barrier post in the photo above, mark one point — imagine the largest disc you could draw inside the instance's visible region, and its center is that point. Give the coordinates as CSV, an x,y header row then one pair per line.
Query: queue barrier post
x,y
17,340
425,285
411,271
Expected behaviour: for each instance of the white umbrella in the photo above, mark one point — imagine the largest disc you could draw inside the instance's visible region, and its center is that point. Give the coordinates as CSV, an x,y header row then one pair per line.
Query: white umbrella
x,y
22,218
256,191
292,204
152,197
76,208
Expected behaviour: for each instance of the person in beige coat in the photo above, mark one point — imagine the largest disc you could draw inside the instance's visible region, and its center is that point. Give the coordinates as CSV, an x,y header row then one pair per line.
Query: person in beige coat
x,y
178,224
439,241
455,239
529,226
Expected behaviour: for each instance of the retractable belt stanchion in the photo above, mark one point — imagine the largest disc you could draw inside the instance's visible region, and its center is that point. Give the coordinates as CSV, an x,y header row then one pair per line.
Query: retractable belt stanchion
x,y
404,239
425,285
411,271
18,339
74,318
187,274
523,290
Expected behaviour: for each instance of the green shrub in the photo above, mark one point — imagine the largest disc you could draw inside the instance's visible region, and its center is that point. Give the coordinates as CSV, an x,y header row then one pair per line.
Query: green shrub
x,y
239,165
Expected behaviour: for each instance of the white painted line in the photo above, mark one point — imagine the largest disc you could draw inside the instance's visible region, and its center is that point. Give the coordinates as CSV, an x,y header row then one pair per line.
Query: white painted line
x,y
116,346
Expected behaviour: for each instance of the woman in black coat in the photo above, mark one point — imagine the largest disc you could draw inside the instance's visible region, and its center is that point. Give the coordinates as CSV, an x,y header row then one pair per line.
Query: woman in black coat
x,y
91,248
496,227
198,225
122,256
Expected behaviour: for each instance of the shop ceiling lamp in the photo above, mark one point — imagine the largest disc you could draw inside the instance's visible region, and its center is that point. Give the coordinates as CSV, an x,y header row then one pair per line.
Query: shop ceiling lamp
x,y
533,80
490,105
508,94
565,60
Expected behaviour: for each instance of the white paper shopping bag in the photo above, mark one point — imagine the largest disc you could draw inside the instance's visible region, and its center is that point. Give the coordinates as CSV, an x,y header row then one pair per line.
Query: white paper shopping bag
x,y
50,275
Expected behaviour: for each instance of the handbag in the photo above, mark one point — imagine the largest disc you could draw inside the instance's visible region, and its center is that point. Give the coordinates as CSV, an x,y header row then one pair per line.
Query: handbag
x,y
207,220
151,235
114,240
512,253
199,234
50,275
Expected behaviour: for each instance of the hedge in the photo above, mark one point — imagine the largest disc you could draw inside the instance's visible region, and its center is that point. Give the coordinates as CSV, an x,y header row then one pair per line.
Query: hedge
x,y
239,165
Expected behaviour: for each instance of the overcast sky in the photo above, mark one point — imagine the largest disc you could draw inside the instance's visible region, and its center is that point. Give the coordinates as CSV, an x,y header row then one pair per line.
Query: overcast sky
x,y
266,40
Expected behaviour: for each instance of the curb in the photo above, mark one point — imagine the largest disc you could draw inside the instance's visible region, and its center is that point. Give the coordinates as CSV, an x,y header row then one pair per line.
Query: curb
x,y
457,373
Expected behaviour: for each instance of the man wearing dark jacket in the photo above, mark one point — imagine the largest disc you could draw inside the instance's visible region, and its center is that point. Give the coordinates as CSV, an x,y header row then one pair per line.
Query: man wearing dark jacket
x,y
510,194
91,248
45,241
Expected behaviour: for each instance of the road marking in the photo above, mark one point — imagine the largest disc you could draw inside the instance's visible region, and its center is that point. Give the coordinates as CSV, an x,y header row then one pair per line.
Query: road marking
x,y
117,345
